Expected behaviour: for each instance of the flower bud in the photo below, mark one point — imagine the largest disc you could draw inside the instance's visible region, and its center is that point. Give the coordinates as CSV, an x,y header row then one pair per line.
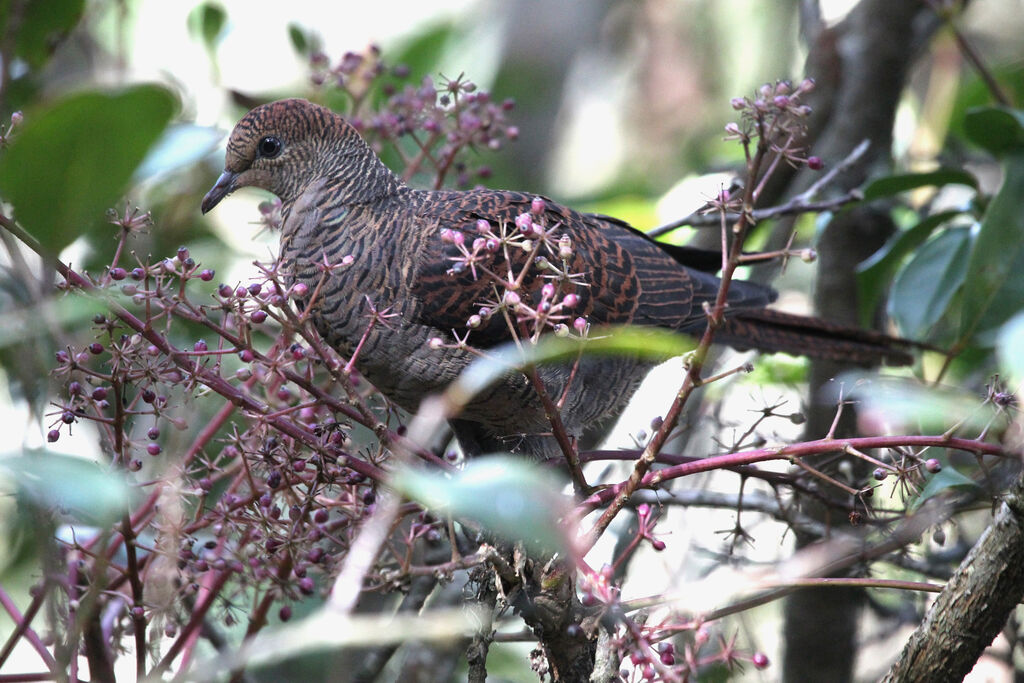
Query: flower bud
x,y
570,300
537,206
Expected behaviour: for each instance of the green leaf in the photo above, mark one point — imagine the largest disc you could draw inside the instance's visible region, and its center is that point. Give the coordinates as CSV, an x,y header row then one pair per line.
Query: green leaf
x,y
40,26
207,22
947,478
72,160
924,288
508,496
74,486
647,343
423,53
997,255
1010,348
999,130
875,273
297,36
895,184
905,404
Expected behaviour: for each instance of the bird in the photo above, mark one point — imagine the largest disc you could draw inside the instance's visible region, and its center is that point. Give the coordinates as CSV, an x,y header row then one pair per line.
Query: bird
x,y
404,246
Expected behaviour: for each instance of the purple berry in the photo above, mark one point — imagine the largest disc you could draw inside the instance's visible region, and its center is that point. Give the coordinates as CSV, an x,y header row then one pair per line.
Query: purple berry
x,y
53,435
154,449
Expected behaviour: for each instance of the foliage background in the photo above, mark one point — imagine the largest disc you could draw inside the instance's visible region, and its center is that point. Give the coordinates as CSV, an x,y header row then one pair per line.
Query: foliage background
x,y
622,115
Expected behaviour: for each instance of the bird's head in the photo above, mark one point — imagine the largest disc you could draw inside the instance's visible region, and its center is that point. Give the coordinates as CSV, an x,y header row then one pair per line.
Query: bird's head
x,y
281,147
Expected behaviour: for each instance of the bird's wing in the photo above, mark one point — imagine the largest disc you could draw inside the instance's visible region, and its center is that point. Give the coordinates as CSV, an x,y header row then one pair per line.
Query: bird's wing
x,y
623,277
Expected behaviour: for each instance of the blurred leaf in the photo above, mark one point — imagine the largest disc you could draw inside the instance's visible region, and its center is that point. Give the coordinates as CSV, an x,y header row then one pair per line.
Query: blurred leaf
x,y
180,145
875,273
299,39
895,184
923,289
644,343
777,369
997,129
43,319
904,403
73,486
974,93
639,211
423,53
997,255
207,22
508,496
945,479
40,26
1011,348
72,160
327,629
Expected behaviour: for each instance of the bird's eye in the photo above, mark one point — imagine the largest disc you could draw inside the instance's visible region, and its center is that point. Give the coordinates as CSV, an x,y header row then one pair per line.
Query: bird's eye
x,y
269,147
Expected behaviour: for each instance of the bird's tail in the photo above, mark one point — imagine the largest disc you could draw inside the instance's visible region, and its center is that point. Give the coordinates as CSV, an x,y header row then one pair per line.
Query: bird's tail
x,y
773,331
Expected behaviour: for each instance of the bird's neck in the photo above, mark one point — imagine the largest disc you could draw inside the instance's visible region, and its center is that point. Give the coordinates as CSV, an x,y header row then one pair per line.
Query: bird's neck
x,y
358,176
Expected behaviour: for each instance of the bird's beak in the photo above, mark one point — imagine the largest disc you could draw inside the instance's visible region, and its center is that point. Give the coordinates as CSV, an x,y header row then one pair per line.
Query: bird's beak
x,y
224,186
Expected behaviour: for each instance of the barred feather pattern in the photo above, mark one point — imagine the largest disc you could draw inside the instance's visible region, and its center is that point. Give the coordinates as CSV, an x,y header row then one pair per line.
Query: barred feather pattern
x,y
340,200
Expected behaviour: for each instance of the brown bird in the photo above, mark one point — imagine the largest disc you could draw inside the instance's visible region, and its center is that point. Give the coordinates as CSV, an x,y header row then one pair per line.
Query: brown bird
x,y
339,199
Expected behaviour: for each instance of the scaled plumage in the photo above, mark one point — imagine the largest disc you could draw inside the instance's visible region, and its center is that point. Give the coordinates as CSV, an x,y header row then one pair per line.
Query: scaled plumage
x,y
339,199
